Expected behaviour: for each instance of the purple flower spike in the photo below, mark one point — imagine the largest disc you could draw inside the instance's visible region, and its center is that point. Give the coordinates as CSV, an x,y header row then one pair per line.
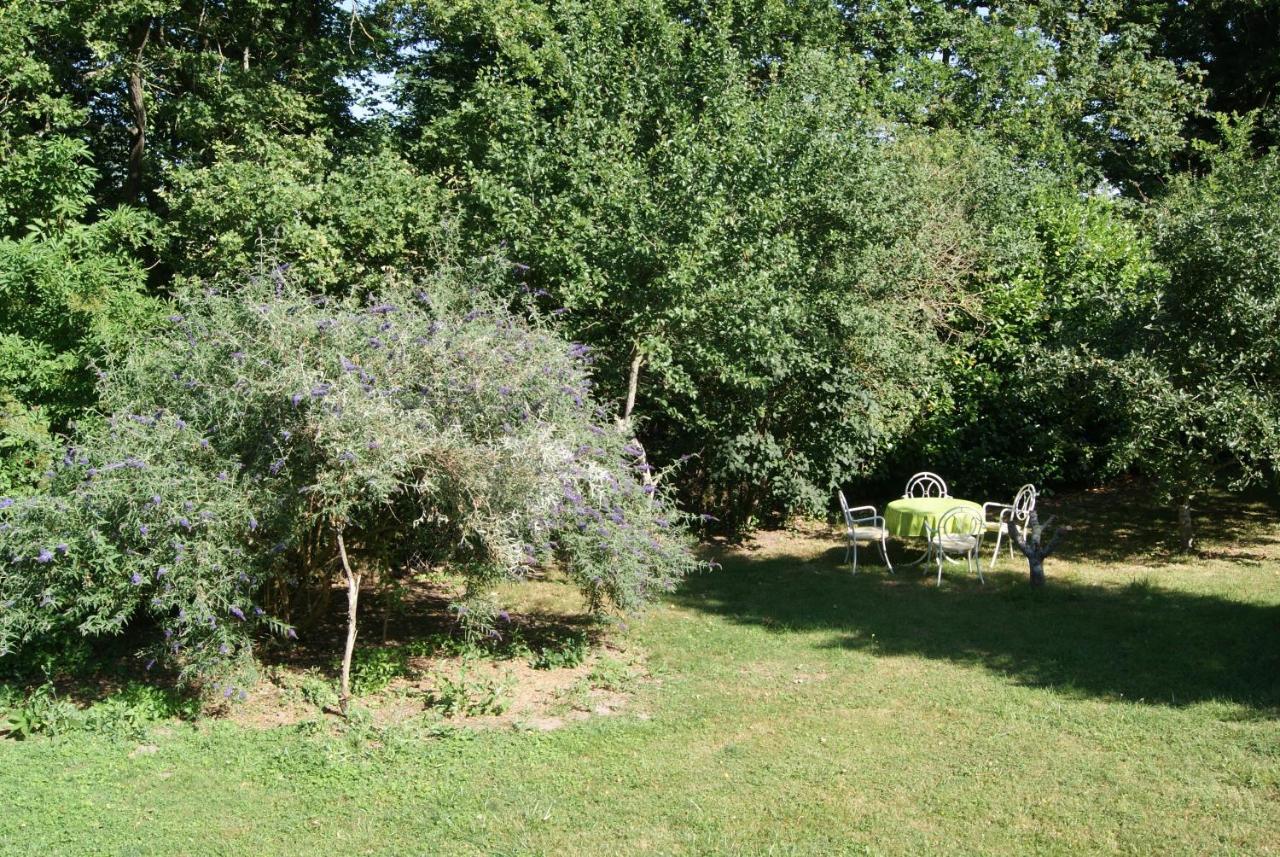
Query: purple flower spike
x,y
222,476
204,443
226,694
135,579
143,529
296,398
62,548
184,523
150,664
276,466
237,612
253,523
6,502
291,634
45,555
161,572
319,391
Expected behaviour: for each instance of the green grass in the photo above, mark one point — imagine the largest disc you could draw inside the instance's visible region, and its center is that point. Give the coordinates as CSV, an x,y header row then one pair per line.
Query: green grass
x,y
1132,707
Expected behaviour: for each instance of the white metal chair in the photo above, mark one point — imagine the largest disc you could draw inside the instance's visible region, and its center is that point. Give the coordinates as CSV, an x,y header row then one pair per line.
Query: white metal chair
x,y
926,484
1024,503
867,528
959,533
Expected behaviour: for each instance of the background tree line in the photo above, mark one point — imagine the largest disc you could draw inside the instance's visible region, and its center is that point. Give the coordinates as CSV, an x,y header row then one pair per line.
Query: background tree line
x,y
807,243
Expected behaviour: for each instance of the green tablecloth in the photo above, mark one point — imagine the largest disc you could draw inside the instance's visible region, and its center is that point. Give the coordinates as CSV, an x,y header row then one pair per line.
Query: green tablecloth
x,y
906,517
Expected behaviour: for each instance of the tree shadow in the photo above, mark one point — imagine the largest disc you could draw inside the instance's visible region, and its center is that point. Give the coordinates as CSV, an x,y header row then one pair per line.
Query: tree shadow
x,y
1141,643
1120,524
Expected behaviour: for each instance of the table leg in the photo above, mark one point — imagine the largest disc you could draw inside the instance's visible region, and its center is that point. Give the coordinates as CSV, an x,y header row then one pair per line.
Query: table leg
x,y
928,550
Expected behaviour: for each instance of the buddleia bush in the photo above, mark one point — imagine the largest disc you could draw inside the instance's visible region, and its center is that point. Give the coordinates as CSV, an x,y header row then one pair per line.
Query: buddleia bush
x,y
262,428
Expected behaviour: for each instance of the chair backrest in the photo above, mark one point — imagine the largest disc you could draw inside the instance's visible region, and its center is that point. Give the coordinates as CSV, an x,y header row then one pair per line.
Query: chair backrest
x,y
1024,503
960,521
926,484
844,508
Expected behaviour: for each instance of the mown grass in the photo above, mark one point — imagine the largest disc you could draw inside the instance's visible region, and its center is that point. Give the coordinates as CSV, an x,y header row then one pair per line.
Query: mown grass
x,y
1131,707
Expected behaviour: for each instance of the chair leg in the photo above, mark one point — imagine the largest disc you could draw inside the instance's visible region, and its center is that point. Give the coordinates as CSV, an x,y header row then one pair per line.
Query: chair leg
x,y
977,566
938,557
884,552
996,553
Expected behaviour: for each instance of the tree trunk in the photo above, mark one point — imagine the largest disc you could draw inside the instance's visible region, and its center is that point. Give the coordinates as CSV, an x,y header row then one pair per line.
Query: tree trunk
x,y
353,597
139,109
633,381
1037,570
1186,532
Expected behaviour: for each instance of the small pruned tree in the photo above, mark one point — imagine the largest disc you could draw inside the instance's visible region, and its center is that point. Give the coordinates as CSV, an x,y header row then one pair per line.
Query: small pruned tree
x,y
1033,544
264,440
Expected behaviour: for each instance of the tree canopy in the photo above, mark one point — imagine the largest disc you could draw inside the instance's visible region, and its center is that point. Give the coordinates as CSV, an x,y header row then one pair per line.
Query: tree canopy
x,y
808,243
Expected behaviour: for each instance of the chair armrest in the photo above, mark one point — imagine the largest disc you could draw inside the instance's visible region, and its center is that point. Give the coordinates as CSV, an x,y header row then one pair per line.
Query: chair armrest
x,y
1003,507
872,518
871,509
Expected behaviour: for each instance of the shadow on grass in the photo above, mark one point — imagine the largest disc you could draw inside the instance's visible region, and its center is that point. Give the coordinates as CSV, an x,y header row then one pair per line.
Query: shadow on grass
x,y
1142,642
1120,524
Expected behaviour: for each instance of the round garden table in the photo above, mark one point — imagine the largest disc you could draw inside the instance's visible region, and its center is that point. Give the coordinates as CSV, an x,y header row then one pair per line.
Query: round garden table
x,y
916,517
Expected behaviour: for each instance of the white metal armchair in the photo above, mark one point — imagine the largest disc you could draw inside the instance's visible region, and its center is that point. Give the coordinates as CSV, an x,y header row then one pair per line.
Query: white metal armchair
x,y
926,484
959,534
998,515
868,528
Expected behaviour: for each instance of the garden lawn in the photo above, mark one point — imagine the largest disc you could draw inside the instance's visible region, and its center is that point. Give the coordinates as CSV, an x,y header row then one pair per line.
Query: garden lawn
x,y
1131,707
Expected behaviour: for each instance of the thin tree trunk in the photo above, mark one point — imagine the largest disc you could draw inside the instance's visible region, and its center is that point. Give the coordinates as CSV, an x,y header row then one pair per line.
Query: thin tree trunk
x,y
138,106
633,381
1186,531
353,596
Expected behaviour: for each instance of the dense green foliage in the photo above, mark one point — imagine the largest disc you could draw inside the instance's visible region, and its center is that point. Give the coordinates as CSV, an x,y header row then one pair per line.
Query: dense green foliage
x,y
1191,396
808,244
